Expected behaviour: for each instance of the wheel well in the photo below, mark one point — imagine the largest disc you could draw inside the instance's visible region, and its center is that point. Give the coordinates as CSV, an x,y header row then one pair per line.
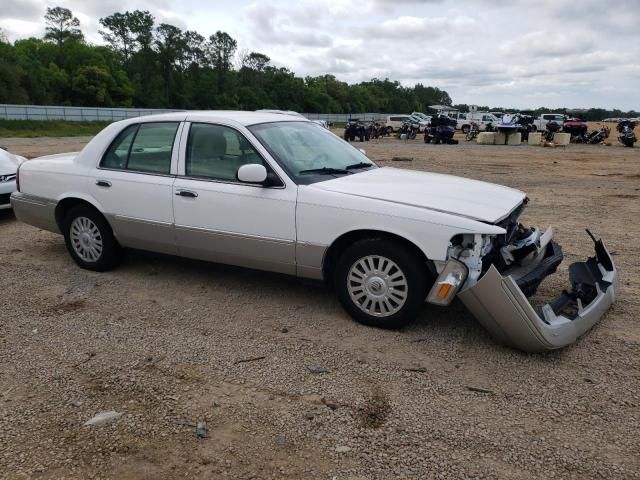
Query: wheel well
x,y
341,243
67,204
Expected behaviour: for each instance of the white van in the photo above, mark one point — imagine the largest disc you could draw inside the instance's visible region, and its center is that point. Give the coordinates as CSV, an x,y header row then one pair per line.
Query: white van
x,y
395,121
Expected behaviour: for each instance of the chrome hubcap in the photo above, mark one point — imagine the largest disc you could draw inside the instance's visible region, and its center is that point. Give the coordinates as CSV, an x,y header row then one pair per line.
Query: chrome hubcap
x,y
377,286
86,239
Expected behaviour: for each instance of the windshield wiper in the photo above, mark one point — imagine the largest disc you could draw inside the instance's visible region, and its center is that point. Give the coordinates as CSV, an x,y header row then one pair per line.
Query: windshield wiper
x,y
327,170
359,165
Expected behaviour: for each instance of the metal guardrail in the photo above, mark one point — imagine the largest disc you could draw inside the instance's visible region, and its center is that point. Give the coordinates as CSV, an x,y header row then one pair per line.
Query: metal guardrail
x,y
91,114
74,114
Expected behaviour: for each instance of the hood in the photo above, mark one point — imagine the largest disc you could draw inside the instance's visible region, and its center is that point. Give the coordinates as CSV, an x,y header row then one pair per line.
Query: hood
x,y
486,202
8,162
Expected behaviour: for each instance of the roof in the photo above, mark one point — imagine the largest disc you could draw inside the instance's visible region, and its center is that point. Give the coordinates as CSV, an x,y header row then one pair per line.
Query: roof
x,y
241,117
444,107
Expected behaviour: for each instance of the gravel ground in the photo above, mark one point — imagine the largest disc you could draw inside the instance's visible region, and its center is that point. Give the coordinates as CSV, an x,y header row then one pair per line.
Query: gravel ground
x,y
288,385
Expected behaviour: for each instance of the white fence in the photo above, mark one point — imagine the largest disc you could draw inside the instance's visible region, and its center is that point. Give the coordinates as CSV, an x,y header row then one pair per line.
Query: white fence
x,y
76,114
91,114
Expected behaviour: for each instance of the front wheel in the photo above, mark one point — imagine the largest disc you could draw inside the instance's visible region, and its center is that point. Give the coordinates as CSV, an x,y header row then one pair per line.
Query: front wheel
x,y
380,283
89,239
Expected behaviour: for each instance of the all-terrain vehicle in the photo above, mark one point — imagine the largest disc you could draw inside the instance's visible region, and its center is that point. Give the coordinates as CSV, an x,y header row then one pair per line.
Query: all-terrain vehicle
x,y
576,128
441,130
355,129
627,133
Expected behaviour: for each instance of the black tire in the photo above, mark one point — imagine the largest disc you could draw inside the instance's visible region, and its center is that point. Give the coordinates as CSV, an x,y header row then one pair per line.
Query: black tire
x,y
346,136
534,128
427,138
465,129
413,269
111,253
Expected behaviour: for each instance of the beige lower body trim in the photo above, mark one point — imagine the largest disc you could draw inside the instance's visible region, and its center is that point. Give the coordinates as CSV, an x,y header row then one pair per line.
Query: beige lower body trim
x,y
274,255
309,259
36,211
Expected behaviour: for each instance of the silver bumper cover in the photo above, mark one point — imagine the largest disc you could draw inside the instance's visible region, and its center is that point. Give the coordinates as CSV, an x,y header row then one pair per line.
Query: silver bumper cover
x,y
501,307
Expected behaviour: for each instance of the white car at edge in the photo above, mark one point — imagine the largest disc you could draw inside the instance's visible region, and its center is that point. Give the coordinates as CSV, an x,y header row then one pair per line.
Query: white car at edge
x,y
9,164
280,193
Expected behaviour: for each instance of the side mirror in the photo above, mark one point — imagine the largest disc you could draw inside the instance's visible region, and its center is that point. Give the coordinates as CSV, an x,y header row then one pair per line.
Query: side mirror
x,y
252,173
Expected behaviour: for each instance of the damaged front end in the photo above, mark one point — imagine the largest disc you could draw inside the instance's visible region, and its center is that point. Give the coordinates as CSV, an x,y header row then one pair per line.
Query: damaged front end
x,y
504,271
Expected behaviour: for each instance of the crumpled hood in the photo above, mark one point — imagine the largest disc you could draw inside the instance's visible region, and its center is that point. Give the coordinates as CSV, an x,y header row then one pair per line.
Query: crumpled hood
x,y
474,199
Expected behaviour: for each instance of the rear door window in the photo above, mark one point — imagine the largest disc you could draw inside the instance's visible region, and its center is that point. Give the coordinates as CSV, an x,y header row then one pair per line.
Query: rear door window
x,y
145,147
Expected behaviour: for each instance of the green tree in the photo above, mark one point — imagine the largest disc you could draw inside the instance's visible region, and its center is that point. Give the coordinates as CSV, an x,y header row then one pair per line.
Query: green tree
x,y
61,26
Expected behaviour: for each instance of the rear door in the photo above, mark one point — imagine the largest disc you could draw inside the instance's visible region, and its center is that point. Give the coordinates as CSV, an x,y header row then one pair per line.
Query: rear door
x,y
221,219
133,184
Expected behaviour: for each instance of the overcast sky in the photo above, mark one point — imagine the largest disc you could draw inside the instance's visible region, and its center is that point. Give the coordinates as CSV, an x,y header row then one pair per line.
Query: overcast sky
x,y
575,53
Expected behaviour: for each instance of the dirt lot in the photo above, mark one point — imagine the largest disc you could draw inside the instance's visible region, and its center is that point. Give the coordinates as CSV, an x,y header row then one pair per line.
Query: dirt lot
x,y
170,342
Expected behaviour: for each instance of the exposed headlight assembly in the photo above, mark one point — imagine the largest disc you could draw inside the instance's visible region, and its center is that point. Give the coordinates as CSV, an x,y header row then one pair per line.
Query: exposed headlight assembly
x,y
446,286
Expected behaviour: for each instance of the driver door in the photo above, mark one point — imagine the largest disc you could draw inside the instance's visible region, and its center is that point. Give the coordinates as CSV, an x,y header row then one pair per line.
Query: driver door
x,y
218,218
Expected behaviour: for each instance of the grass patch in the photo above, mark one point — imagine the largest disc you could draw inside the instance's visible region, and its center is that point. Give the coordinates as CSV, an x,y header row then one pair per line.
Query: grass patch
x,y
49,128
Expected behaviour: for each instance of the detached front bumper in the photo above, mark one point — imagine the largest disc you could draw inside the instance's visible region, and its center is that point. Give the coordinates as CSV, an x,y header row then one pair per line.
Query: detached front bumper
x,y
503,309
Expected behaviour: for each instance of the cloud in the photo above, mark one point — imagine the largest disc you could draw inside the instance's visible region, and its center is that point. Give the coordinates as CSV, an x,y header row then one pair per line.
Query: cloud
x,y
487,52
21,9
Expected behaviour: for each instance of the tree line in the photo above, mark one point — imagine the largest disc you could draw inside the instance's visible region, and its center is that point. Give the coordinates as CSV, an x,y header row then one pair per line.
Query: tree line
x,y
145,64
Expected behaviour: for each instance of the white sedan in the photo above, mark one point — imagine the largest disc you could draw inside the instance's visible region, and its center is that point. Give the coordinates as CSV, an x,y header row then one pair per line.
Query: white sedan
x,y
8,167
280,193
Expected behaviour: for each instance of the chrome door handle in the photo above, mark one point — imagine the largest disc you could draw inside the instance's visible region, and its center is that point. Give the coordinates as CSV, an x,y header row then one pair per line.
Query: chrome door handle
x,y
186,193
103,183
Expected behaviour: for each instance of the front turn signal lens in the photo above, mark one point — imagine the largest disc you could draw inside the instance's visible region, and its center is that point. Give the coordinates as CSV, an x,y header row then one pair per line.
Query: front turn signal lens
x,y
448,283
444,290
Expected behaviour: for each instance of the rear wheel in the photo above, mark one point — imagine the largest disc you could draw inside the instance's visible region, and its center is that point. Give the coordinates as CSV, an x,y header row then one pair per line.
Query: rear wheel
x,y
89,239
380,283
465,129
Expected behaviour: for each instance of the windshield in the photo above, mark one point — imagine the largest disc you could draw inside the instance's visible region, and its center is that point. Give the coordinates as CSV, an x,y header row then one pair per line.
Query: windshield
x,y
308,152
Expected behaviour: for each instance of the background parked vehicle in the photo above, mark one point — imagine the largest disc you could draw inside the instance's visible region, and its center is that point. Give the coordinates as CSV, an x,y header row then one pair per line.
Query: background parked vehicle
x,y
322,123
542,121
9,164
576,128
395,121
441,130
377,130
526,125
627,134
552,128
409,129
422,120
472,133
598,136
355,129
481,119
